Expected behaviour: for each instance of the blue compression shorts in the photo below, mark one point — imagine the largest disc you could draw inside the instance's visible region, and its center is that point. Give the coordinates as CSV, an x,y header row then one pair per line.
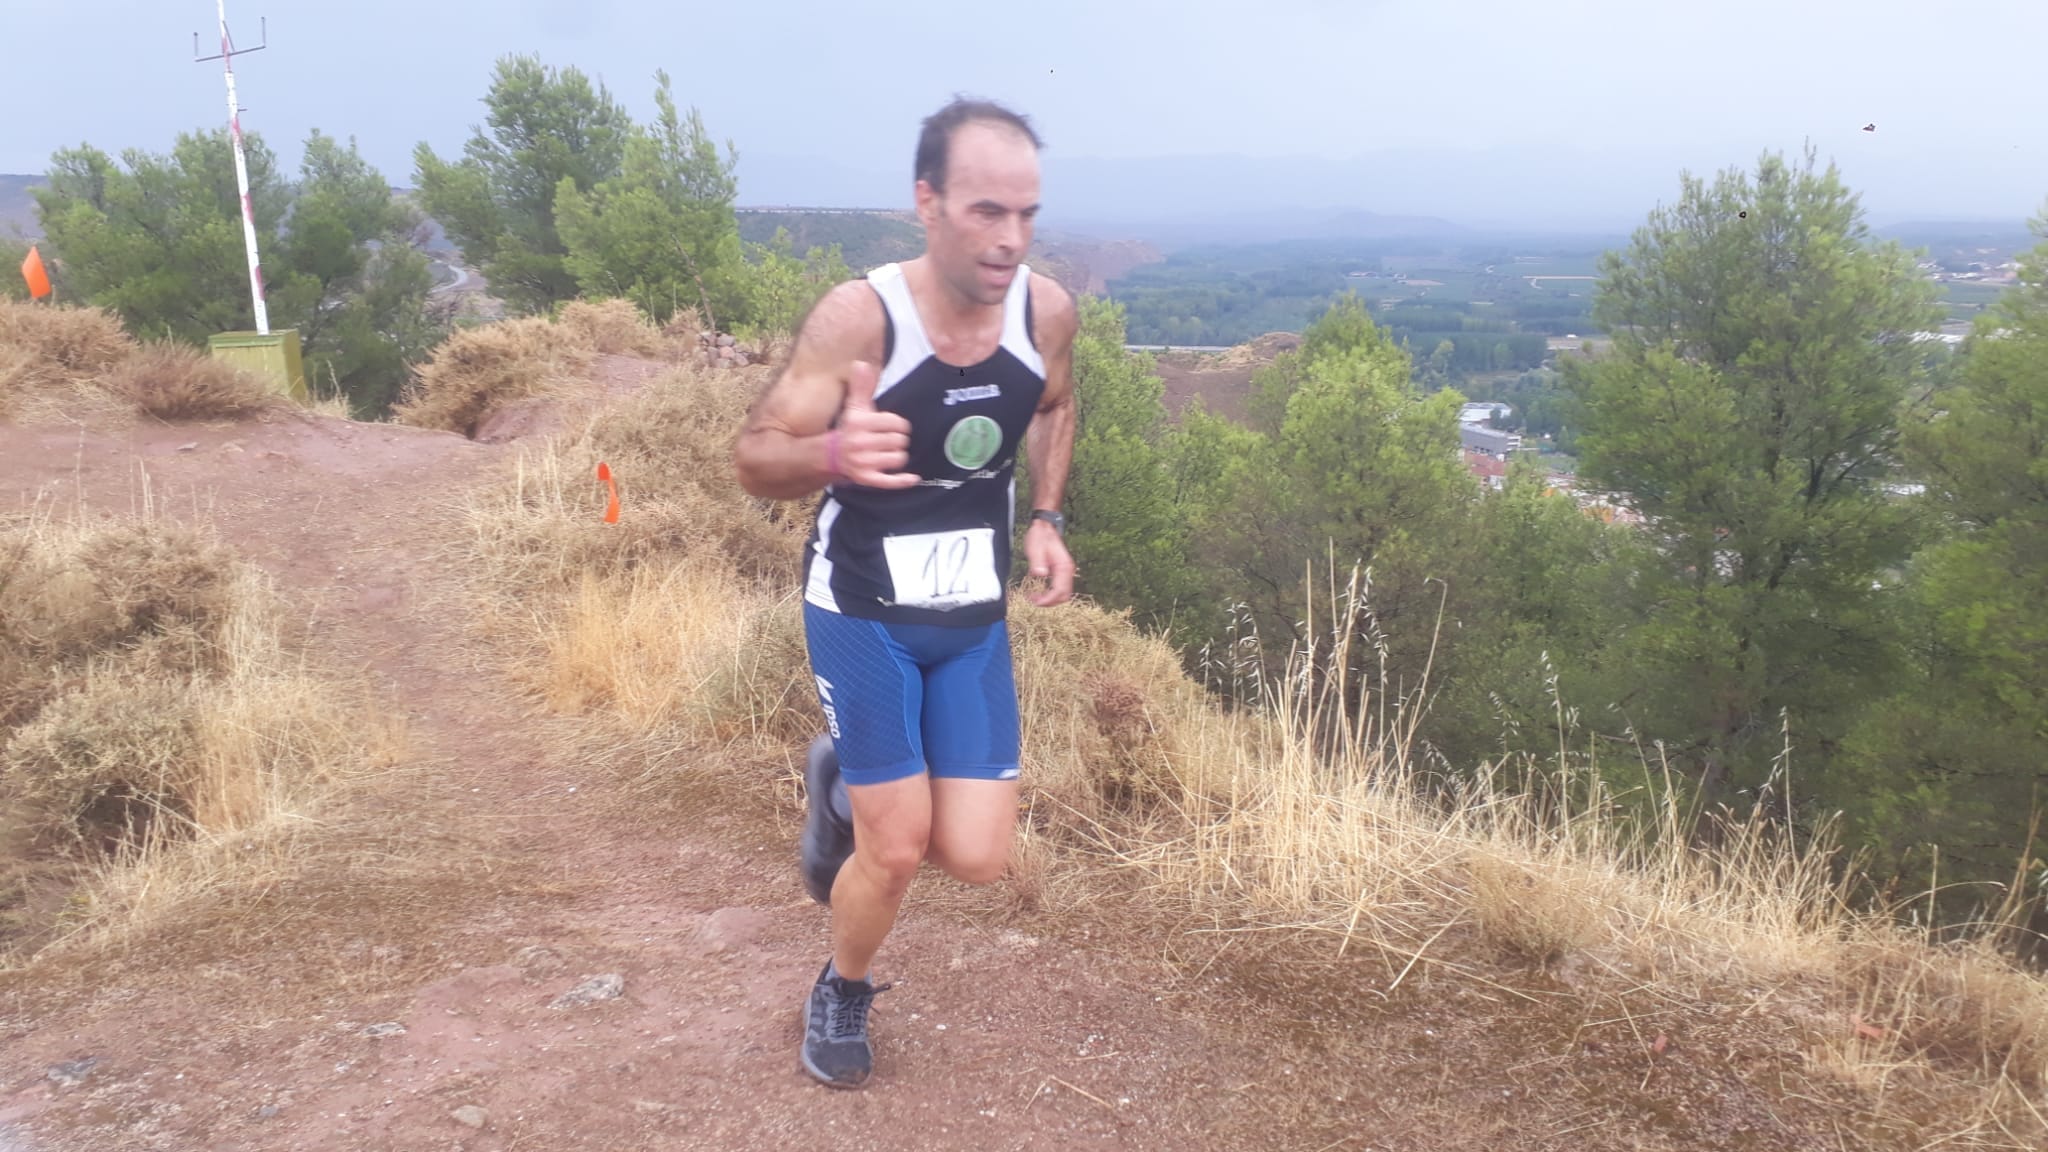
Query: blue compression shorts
x,y
903,699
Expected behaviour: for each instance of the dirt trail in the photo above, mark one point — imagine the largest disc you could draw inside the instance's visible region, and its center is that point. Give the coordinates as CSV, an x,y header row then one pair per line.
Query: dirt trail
x,y
252,1034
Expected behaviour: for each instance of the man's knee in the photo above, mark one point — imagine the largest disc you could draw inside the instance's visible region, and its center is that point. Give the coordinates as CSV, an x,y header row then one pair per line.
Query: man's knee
x,y
895,855
979,864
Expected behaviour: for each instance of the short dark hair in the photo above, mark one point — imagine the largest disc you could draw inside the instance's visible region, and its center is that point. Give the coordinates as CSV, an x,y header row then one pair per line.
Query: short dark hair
x,y
934,144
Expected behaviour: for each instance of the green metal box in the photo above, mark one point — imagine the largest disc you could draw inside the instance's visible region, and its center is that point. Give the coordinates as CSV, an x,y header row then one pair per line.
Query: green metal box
x,y
273,358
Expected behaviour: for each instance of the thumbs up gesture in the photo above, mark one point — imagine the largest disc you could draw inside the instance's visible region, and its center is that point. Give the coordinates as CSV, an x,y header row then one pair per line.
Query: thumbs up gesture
x,y
870,445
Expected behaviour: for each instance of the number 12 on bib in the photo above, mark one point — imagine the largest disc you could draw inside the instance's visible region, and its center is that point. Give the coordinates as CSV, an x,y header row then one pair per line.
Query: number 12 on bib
x,y
943,569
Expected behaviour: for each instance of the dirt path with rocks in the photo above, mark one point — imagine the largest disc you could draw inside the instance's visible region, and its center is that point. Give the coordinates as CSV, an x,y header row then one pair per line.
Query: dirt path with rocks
x,y
534,964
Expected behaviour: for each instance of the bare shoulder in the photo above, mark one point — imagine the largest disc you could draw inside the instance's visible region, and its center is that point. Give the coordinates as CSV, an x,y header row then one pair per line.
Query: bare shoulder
x,y
846,323
1055,316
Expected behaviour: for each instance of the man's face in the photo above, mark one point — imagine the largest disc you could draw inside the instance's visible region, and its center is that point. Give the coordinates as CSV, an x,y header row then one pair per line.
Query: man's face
x,y
978,231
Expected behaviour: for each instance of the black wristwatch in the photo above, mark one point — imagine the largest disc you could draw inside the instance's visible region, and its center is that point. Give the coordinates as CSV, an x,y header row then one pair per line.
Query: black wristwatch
x,y
1058,522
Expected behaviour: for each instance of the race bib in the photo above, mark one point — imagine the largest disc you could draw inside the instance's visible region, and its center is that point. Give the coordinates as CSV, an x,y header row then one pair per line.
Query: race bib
x,y
943,569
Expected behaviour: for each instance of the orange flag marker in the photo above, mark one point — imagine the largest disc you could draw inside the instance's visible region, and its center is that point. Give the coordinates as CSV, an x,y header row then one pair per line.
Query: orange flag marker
x,y
611,508
38,277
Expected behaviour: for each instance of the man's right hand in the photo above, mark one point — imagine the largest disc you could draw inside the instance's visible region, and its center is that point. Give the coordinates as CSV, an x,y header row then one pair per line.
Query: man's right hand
x,y
872,444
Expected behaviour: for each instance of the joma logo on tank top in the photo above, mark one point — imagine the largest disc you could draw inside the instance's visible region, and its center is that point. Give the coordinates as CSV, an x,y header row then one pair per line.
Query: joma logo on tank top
x,y
978,392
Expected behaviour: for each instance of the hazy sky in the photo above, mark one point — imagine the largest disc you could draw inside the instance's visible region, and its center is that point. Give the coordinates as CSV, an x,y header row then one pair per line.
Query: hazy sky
x,y
1597,104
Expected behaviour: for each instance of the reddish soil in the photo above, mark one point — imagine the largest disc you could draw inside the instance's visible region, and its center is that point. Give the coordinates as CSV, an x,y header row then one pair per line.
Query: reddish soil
x,y
1221,379
1087,266
549,414
1222,389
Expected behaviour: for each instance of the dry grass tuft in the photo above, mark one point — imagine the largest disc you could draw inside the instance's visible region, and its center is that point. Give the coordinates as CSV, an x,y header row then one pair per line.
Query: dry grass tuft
x,y
614,327
18,369
148,713
1541,914
682,652
151,580
683,329
479,368
329,401
102,766
78,343
1965,1008
152,598
669,450
52,354
174,382
1110,722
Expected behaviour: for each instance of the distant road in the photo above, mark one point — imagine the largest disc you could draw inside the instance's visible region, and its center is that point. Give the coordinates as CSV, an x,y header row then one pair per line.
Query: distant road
x,y
460,278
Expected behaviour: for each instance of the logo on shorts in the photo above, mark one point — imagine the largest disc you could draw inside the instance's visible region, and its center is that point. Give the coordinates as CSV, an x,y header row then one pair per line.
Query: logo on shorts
x,y
1007,774
825,702
973,441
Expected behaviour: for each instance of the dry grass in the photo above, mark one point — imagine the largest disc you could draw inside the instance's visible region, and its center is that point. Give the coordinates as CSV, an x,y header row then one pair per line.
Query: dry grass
x,y
667,651
676,636
330,400
615,327
100,765
682,330
675,622
1328,829
1542,914
669,451
149,598
152,717
174,382
50,356
79,363
479,368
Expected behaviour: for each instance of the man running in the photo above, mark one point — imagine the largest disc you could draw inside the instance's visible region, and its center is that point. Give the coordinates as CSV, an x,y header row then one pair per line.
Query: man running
x,y
907,398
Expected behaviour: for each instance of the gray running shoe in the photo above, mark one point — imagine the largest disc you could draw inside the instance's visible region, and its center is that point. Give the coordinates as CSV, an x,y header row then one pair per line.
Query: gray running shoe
x,y
828,828
836,1048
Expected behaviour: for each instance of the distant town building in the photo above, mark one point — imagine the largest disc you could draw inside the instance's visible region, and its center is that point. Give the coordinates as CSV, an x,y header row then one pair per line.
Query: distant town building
x,y
1489,441
1491,470
1480,411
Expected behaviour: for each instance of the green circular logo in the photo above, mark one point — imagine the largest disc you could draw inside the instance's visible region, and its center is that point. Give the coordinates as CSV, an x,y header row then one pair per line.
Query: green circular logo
x,y
973,442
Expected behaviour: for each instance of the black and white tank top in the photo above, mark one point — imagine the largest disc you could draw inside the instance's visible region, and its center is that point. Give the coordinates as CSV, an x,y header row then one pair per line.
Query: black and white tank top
x,y
937,553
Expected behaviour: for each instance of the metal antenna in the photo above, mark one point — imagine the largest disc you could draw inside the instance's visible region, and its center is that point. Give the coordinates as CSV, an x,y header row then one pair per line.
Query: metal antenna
x,y
226,56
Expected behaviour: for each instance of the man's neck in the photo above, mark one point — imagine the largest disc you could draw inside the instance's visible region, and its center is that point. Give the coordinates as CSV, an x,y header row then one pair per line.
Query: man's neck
x,y
949,308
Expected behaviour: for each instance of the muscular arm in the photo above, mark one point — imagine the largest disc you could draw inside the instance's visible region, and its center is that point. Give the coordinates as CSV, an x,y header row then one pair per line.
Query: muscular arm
x,y
782,452
1050,439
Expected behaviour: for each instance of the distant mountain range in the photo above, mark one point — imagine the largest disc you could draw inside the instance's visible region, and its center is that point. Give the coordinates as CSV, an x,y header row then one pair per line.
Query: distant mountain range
x,y
1391,193
1178,201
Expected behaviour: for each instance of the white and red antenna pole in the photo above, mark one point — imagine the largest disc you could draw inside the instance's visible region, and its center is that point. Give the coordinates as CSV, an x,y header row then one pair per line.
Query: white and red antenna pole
x,y
227,55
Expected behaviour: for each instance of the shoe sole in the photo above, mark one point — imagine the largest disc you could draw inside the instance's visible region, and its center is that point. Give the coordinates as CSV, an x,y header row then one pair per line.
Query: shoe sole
x,y
819,830
827,1081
